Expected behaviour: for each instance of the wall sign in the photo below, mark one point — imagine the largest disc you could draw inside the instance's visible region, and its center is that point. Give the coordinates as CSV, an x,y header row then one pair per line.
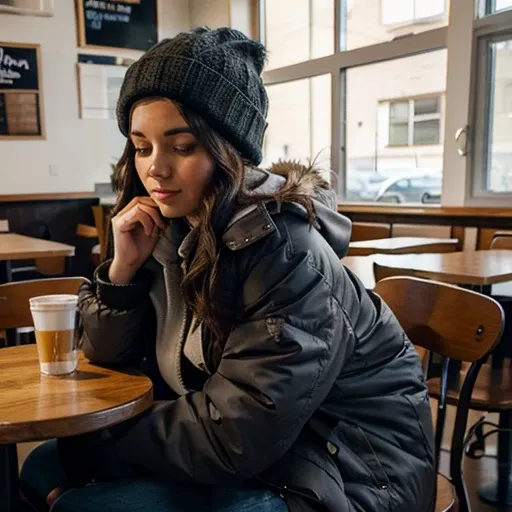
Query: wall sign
x,y
20,91
130,24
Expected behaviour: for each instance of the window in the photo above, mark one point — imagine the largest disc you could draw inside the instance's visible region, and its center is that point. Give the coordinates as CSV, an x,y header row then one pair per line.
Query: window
x,y
298,30
492,6
299,121
493,138
369,22
391,139
402,12
415,122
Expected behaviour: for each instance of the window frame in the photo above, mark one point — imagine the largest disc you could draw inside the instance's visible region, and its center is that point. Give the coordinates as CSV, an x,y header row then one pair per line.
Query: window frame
x,y
488,30
414,118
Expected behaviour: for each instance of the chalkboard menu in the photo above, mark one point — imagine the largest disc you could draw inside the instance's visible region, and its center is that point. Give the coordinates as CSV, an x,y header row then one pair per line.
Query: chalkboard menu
x,y
131,24
20,91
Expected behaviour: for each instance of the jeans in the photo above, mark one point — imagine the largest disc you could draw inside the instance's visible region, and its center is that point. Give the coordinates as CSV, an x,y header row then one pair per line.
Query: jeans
x,y
41,473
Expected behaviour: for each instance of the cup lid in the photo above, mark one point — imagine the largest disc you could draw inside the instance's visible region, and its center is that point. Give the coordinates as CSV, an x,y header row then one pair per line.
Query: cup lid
x,y
53,302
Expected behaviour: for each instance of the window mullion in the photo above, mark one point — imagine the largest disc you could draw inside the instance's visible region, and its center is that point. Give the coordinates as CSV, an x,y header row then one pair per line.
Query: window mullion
x,y
410,141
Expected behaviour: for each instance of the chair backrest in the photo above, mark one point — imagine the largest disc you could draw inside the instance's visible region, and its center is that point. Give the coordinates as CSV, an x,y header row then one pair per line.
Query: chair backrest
x,y
37,229
451,321
369,231
381,272
425,230
102,229
14,305
502,241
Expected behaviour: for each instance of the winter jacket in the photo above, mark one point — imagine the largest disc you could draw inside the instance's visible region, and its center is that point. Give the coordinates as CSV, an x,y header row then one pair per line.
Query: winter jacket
x,y
317,392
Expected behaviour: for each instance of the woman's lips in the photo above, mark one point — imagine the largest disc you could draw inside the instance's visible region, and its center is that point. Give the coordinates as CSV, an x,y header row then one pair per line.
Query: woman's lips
x,y
162,195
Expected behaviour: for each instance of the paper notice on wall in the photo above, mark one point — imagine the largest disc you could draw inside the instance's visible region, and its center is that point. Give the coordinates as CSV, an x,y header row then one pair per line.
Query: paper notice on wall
x,y
99,87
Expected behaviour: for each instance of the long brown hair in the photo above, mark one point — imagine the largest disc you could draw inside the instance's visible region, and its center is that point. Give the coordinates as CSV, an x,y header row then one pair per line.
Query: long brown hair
x,y
200,283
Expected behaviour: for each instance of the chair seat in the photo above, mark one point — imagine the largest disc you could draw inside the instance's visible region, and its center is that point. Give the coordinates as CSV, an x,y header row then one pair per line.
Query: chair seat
x,y
492,391
445,499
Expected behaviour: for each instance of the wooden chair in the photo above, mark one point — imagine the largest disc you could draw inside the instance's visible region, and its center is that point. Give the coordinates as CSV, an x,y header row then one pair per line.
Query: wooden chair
x,y
14,300
369,231
492,392
86,231
100,221
502,241
457,324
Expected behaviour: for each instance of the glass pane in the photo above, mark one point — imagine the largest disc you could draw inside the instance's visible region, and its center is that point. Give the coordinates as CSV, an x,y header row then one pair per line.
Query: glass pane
x,y
374,162
396,11
426,132
427,106
370,22
398,134
503,4
299,122
298,30
499,169
399,111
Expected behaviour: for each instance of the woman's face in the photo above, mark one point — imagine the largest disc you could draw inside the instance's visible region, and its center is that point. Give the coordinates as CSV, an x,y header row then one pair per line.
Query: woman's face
x,y
173,166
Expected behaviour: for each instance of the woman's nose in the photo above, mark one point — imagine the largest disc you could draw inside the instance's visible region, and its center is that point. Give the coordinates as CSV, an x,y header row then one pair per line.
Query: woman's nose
x,y
160,167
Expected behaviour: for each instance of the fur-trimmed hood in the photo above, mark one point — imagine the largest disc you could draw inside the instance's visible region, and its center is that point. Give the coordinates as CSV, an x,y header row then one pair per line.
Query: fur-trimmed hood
x,y
283,183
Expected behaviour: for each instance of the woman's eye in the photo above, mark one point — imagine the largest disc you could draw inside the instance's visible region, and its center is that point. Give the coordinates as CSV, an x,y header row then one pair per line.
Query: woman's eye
x,y
142,151
185,149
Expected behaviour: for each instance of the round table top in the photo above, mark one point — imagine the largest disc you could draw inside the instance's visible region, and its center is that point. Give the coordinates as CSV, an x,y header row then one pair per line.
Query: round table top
x,y
34,407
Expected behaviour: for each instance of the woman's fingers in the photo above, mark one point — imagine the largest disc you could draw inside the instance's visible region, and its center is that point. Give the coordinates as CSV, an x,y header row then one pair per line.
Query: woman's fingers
x,y
146,200
137,217
154,214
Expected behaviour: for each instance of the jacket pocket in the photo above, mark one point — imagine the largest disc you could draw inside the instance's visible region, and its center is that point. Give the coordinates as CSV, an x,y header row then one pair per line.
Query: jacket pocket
x,y
309,473
362,464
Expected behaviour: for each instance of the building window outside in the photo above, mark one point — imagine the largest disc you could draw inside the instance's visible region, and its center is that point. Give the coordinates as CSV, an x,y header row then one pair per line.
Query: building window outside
x,y
404,12
415,122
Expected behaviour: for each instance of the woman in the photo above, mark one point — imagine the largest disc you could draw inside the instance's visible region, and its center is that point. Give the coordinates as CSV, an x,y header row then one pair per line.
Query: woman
x,y
281,384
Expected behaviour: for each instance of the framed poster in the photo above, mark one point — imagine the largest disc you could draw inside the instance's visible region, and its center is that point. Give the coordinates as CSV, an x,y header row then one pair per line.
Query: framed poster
x,y
21,110
27,7
129,24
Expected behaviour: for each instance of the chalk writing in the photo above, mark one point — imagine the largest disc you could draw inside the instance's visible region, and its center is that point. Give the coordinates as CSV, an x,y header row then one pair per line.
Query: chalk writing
x,y
7,74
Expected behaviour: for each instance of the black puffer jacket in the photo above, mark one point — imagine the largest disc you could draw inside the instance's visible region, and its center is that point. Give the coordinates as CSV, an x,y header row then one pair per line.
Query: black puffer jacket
x,y
317,394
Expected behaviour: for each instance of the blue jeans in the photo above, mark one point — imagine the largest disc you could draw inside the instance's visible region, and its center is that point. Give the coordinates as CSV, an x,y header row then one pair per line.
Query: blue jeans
x,y
41,473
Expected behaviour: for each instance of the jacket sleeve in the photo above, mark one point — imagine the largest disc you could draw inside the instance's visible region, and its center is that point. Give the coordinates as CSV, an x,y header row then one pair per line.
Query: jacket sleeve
x,y
112,318
277,367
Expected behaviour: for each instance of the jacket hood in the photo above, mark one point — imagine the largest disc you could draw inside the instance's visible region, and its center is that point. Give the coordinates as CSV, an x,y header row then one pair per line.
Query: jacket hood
x,y
284,181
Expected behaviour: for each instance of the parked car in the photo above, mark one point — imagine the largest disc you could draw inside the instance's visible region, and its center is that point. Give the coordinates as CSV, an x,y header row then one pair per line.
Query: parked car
x,y
413,188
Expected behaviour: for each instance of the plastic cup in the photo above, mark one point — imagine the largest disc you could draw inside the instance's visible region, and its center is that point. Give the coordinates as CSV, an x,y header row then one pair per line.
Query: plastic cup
x,y
54,325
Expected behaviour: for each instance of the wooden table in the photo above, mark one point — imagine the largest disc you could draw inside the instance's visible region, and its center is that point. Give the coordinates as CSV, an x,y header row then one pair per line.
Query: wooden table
x,y
19,247
34,407
480,268
362,267
402,245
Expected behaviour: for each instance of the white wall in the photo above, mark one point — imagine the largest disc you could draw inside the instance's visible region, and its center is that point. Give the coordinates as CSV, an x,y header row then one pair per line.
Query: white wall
x,y
212,13
78,149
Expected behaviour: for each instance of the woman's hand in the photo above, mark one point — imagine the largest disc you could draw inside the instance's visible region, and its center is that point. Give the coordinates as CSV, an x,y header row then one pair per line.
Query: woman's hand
x,y
135,229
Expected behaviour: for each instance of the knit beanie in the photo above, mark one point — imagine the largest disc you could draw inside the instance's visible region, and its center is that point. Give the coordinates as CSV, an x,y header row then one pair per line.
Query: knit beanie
x,y
215,72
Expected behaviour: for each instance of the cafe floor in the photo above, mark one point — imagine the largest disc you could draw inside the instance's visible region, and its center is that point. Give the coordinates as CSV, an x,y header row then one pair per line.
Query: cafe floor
x,y
476,472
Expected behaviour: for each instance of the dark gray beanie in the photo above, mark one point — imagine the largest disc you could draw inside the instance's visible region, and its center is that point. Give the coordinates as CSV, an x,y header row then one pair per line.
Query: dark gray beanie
x,y
215,72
